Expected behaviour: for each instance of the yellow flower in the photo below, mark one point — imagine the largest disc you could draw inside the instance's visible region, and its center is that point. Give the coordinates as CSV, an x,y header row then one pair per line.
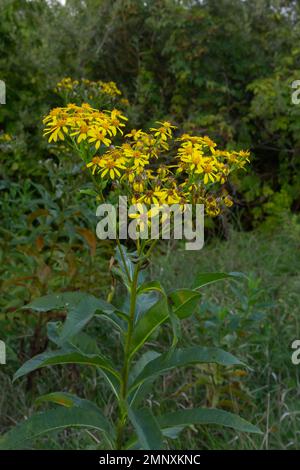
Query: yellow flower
x,y
137,157
210,143
142,215
97,136
94,164
138,186
73,106
135,134
65,84
209,169
57,128
54,114
170,196
152,196
116,118
111,166
5,137
195,175
81,132
228,201
192,156
164,131
245,154
109,88
212,207
124,101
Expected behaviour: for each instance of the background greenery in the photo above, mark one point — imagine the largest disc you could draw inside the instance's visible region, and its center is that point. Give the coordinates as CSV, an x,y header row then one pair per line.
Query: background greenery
x,y
217,67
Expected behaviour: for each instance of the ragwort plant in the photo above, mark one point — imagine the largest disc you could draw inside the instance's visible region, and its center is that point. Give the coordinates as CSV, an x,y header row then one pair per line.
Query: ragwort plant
x,y
141,166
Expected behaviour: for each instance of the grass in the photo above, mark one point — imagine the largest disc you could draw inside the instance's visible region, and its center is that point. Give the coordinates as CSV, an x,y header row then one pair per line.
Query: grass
x,y
256,319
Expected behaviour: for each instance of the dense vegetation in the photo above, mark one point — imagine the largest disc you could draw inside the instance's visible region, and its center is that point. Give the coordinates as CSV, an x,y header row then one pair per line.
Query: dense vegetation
x,y
222,68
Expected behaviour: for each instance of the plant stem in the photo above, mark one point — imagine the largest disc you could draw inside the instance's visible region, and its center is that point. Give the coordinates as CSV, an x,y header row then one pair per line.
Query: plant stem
x,y
126,365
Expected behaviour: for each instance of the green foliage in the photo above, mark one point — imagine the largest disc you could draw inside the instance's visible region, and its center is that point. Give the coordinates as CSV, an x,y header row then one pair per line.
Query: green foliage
x,y
224,68
218,67
84,415
129,382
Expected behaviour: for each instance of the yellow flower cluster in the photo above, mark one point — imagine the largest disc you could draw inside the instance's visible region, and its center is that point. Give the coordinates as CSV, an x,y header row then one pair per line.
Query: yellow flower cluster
x,y
83,124
69,85
5,137
149,167
200,157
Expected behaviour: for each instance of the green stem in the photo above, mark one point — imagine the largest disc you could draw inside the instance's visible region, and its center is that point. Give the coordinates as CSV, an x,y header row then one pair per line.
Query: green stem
x,y
125,371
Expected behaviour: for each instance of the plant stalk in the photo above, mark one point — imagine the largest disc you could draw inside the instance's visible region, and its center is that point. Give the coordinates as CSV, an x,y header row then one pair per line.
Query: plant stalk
x,y
125,371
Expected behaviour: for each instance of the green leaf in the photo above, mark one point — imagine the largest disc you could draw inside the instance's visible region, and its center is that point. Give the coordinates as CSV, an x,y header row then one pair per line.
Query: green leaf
x,y
206,416
62,398
185,302
79,315
142,361
82,342
150,286
143,303
54,420
122,255
68,400
89,192
143,388
64,356
53,331
148,323
81,308
49,302
203,279
183,357
147,429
